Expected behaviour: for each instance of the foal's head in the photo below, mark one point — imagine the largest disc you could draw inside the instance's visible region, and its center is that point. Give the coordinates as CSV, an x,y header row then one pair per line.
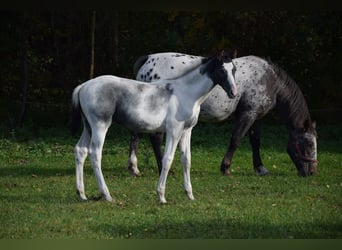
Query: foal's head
x,y
221,70
302,149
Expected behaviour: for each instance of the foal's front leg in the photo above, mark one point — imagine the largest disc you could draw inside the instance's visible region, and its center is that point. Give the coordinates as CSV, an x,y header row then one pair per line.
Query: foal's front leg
x,y
170,149
185,145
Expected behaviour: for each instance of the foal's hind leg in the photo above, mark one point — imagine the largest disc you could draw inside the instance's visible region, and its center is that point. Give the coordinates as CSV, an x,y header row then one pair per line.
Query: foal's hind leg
x,y
254,138
81,152
133,151
95,151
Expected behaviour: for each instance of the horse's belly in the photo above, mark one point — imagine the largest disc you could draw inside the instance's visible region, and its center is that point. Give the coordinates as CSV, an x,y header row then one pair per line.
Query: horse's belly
x,y
217,107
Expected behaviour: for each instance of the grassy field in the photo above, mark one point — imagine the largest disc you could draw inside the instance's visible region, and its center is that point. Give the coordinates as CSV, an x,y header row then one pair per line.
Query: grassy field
x,y
38,199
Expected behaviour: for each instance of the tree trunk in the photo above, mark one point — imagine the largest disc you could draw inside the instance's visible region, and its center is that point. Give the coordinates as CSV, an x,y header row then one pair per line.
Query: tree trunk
x,y
25,71
116,39
92,57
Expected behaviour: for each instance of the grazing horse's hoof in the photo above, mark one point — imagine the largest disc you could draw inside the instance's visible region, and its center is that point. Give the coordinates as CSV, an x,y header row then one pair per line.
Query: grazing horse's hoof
x,y
261,171
136,174
133,171
225,171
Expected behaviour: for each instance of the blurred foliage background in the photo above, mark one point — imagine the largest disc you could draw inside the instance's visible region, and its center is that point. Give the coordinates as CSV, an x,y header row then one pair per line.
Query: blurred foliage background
x,y
45,54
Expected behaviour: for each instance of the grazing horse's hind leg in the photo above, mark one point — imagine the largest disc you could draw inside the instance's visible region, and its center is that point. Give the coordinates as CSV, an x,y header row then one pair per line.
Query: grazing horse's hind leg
x,y
133,151
81,152
95,150
156,141
254,138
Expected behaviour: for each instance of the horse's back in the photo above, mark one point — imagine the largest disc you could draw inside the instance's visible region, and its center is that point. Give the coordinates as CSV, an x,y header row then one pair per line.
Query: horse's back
x,y
136,105
168,65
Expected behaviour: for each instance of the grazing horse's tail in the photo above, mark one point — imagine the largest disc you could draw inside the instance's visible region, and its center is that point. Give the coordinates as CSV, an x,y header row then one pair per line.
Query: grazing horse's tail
x,y
138,63
75,110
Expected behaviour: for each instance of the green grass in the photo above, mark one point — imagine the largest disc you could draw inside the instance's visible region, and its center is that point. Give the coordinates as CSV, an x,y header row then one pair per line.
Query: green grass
x,y
38,199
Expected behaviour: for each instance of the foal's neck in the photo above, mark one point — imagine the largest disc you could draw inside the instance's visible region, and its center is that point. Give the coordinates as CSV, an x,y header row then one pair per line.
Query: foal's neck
x,y
197,84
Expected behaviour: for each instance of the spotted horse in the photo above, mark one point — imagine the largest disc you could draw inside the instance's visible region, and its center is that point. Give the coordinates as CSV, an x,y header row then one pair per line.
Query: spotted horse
x,y
260,87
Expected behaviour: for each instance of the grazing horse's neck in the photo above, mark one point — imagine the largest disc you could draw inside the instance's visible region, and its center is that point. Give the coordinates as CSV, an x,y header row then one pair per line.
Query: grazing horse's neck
x,y
291,103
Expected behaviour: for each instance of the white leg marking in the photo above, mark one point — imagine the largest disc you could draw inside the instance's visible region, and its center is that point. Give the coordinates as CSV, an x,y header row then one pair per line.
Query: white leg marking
x,y
133,164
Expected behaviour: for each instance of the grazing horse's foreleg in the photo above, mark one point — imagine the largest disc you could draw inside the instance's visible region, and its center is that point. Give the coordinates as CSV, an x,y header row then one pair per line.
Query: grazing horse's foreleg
x,y
133,152
170,149
185,145
95,151
254,138
81,152
156,141
243,122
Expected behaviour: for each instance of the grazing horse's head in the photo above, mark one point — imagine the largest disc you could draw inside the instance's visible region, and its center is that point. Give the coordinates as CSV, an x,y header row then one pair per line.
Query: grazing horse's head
x,y
221,70
302,149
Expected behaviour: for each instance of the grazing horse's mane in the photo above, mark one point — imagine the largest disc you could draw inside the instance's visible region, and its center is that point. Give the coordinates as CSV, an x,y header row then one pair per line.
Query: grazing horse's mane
x,y
291,103
138,63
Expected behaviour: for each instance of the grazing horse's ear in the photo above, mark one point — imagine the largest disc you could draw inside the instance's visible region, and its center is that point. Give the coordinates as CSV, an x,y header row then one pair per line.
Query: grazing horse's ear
x,y
225,57
307,125
221,55
233,54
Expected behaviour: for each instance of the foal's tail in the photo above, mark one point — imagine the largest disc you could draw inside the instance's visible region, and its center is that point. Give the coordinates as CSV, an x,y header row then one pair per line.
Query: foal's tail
x,y
75,110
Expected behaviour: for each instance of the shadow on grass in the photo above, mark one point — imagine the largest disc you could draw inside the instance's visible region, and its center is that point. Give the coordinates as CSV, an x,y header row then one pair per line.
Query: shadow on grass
x,y
36,171
232,228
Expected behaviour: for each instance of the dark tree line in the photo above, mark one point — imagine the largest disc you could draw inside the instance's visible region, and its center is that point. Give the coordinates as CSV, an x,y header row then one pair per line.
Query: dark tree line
x,y
44,55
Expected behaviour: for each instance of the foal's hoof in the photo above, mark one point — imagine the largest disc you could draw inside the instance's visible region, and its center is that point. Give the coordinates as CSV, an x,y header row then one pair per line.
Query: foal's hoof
x,y
162,201
261,171
190,196
102,197
108,198
81,195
